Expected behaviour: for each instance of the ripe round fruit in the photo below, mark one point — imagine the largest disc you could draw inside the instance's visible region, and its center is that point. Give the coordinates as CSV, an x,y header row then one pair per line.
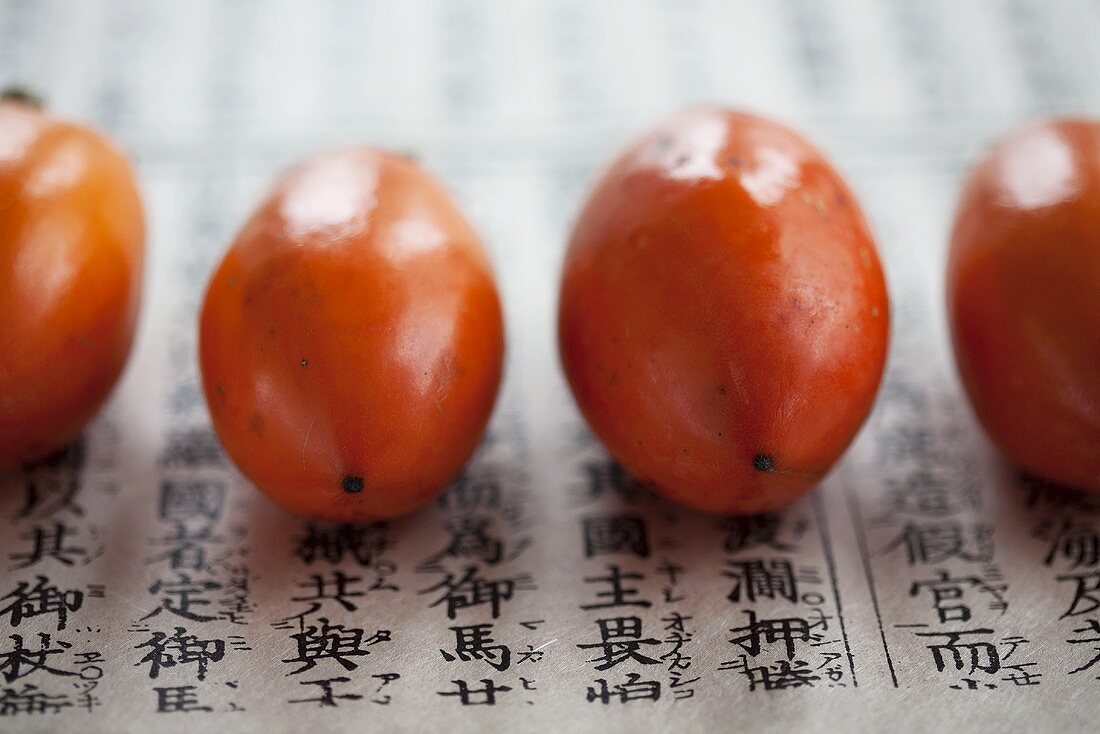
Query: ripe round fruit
x,y
72,238
351,340
1023,289
723,319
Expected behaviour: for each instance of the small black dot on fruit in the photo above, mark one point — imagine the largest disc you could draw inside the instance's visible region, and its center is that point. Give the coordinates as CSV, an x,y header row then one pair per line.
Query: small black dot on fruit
x,y
352,485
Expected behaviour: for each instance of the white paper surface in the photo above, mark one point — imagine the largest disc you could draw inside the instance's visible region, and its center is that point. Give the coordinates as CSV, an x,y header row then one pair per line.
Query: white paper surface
x,y
922,585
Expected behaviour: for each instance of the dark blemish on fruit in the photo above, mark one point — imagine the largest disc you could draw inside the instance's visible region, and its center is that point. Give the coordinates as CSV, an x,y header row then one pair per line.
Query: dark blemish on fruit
x,y
352,485
305,363
763,462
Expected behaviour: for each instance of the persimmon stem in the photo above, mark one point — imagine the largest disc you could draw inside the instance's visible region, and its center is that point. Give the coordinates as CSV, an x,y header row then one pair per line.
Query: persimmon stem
x,y
22,95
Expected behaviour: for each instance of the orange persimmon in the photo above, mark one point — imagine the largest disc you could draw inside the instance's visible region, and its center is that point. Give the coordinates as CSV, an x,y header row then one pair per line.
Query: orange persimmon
x,y
351,340
723,317
72,240
1023,290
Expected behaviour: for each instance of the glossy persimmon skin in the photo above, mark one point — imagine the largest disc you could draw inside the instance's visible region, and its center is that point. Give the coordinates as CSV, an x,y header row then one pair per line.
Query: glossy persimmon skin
x,y
1023,290
723,317
351,341
72,239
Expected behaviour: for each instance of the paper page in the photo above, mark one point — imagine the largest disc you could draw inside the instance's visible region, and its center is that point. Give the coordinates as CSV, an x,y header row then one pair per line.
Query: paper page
x,y
148,587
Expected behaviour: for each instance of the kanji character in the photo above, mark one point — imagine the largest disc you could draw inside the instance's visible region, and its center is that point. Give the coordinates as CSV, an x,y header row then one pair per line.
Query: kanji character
x,y
620,640
609,534
475,642
332,642
485,696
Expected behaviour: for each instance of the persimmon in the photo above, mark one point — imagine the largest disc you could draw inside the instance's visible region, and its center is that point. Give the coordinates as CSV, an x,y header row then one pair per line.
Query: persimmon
x,y
72,240
723,317
351,340
1023,290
